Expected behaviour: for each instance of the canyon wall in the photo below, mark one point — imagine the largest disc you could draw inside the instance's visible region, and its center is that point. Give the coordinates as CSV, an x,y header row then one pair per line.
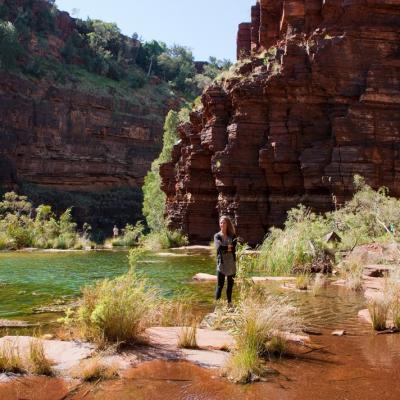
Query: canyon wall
x,y
314,100
84,141
69,148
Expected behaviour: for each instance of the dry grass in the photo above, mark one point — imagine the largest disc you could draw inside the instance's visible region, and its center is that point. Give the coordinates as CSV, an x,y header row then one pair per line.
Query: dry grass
x,y
378,310
351,271
392,296
10,359
277,346
260,326
118,310
94,369
187,337
175,312
303,281
38,362
318,283
242,365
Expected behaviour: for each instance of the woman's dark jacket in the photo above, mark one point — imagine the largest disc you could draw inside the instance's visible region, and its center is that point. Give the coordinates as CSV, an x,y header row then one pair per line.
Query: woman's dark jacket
x,y
223,249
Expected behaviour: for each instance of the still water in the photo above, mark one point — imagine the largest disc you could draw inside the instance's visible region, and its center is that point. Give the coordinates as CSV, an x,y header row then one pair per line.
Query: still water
x,y
30,280
359,365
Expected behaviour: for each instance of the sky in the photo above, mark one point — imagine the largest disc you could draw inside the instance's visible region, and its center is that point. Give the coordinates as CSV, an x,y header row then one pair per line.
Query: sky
x,y
207,27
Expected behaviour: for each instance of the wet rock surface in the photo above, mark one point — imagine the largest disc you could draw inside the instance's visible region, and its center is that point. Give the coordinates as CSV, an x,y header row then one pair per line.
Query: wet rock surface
x,y
317,103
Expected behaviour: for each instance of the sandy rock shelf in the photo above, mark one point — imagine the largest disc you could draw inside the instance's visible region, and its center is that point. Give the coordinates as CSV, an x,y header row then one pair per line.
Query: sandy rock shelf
x,y
202,277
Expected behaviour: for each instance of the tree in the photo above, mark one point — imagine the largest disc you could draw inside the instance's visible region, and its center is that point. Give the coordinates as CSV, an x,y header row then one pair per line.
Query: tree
x,y
148,55
177,66
154,197
105,38
10,49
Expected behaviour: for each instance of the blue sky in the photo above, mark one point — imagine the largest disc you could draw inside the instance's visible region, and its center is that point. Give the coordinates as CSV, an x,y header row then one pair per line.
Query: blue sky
x,y
208,27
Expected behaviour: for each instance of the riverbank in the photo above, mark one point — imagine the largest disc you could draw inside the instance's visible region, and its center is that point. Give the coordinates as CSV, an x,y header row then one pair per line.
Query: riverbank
x,y
339,367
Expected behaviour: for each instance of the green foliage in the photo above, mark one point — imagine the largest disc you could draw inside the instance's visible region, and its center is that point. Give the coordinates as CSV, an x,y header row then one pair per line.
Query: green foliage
x,y
131,235
148,55
163,239
210,71
245,264
177,66
261,323
119,309
10,48
367,216
296,246
363,219
153,197
18,228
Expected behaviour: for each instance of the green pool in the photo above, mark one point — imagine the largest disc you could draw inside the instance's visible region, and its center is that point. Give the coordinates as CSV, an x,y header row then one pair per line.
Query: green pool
x,y
30,280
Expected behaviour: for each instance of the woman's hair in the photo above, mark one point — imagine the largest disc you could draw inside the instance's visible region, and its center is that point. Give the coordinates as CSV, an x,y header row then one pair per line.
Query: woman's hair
x,y
230,228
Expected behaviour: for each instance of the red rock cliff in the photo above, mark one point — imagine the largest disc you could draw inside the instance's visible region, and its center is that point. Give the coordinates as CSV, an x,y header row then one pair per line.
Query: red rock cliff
x,y
86,145
317,102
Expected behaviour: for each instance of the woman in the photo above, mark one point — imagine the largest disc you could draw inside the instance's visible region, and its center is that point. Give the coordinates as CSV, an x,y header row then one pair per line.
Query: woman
x,y
225,244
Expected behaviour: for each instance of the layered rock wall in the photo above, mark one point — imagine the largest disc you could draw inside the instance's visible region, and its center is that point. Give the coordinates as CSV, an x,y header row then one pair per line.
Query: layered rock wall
x,y
68,141
318,102
71,138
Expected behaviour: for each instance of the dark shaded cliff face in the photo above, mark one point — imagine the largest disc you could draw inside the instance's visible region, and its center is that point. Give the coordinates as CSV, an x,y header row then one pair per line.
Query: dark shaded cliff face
x,y
317,101
69,148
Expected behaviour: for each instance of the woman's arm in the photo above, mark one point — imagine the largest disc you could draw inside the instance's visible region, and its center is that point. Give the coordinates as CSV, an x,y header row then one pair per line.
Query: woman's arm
x,y
218,244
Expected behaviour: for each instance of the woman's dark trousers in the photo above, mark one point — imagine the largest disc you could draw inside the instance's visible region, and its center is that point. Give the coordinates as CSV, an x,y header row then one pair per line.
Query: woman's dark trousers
x,y
220,286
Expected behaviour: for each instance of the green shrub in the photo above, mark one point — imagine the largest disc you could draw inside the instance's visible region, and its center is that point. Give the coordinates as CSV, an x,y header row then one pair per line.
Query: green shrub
x,y
261,323
365,218
130,237
164,239
19,229
119,309
10,48
296,246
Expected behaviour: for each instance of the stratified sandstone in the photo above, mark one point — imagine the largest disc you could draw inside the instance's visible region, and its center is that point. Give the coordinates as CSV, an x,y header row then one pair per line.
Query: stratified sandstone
x,y
62,140
83,141
318,102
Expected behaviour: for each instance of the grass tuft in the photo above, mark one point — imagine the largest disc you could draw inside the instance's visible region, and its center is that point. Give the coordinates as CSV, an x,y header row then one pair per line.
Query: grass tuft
x,y
94,369
303,281
351,271
120,309
10,359
187,337
38,362
378,310
261,322
318,283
